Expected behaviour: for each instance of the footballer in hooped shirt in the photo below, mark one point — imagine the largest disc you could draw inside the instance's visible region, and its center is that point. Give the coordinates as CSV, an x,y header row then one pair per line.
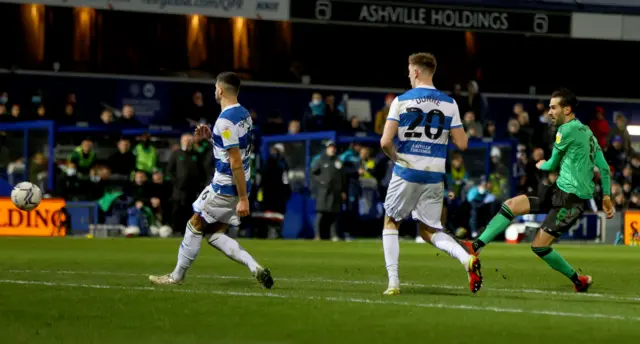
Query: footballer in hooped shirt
x,y
226,199
421,121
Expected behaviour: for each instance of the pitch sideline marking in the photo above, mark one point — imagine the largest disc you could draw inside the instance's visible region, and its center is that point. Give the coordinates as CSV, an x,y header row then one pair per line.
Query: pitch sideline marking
x,y
409,284
332,299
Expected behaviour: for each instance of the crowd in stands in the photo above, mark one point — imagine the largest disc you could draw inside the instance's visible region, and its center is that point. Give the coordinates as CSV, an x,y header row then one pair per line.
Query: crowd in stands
x,y
136,184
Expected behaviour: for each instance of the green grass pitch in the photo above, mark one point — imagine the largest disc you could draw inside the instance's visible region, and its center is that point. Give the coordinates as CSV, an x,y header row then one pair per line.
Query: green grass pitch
x,y
64,290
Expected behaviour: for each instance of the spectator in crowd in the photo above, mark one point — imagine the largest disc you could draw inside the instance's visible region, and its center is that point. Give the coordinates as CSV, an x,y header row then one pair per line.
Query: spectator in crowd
x,y
383,173
140,190
256,130
620,129
38,168
544,132
627,177
471,126
541,109
615,154
526,130
381,115
102,185
4,98
490,132
619,202
41,113
71,99
481,202
333,113
520,169
106,117
367,164
477,102
160,194
513,132
68,115
498,185
185,172
294,127
626,189
146,155
198,112
330,192
317,106
122,162
127,118
463,103
314,118
274,185
158,188
496,161
16,113
533,174
4,114
204,149
351,164
600,127
83,158
634,202
457,178
635,166
356,128
139,213
518,109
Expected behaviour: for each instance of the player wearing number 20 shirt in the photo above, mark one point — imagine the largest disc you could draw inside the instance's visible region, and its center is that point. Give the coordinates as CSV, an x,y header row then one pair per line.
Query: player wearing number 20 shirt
x,y
416,138
425,116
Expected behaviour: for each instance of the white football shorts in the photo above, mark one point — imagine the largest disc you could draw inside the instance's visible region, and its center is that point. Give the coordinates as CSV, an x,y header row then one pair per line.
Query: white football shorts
x,y
422,201
214,207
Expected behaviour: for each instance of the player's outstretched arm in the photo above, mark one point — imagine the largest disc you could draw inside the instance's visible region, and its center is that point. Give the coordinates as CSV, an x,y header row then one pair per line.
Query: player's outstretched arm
x,y
553,163
460,138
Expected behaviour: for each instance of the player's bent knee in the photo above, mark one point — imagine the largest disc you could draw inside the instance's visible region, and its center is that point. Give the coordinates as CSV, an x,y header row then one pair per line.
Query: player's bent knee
x,y
541,251
196,222
391,223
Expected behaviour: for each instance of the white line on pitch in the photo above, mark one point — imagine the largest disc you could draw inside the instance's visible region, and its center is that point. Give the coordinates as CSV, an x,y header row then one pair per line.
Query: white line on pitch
x,y
409,284
332,299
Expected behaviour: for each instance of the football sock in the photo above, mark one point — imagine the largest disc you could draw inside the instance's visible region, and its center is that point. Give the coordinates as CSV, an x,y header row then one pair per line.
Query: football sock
x,y
449,245
391,247
233,250
189,249
498,224
556,262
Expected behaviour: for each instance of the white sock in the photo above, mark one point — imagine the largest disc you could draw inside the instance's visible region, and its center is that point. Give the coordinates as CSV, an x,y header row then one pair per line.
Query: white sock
x,y
189,249
232,249
449,245
391,247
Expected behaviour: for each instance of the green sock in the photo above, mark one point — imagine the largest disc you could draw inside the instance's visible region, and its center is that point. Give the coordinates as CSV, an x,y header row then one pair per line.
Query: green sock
x,y
556,262
498,224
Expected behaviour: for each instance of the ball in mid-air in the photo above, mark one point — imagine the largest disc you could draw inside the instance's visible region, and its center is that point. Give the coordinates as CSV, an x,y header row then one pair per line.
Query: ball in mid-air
x,y
26,196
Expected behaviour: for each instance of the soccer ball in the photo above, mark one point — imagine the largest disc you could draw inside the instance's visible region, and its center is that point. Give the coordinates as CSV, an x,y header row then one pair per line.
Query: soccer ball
x,y
26,196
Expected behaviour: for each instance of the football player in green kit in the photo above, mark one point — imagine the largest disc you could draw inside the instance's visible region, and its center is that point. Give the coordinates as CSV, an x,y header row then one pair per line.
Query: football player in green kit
x,y
575,154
